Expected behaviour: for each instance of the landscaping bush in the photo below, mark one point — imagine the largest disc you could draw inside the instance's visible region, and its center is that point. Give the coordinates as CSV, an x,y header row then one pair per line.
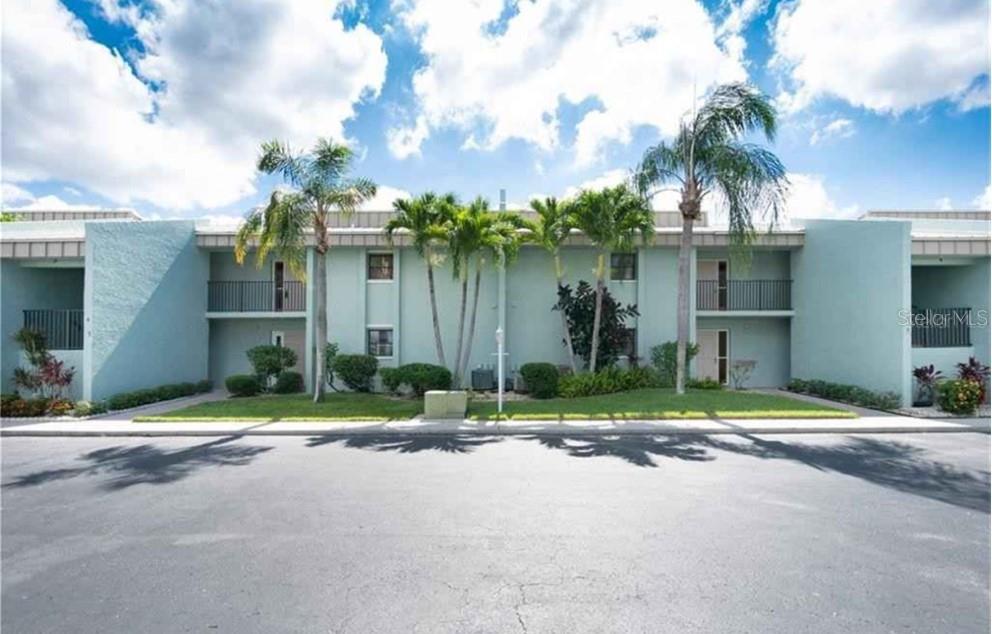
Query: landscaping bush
x,y
580,307
268,361
974,370
664,358
204,386
356,370
60,407
330,352
288,382
704,384
392,379
846,393
959,396
606,381
87,408
14,406
422,377
243,385
541,379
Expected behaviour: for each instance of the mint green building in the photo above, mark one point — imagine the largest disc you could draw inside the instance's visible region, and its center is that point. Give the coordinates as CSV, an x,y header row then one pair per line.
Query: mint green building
x,y
132,303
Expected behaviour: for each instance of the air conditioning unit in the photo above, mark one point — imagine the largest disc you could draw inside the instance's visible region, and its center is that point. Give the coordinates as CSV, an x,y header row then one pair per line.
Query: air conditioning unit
x,y
483,379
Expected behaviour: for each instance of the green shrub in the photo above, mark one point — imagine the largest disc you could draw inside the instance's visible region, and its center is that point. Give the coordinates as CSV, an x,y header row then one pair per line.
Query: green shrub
x,y
356,370
268,361
87,408
664,358
422,377
541,379
845,393
242,385
13,406
704,384
330,352
137,398
204,386
288,382
60,406
606,381
392,379
959,396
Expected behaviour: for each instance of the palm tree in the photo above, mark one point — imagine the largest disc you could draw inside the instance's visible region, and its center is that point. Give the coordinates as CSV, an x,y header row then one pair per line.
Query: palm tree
x,y
709,157
424,218
611,218
475,233
553,226
319,186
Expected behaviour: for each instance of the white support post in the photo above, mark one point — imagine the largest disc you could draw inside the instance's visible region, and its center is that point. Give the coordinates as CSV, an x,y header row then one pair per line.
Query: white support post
x,y
499,370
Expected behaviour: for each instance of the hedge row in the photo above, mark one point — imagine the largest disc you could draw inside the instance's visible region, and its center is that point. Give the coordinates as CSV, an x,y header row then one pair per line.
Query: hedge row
x,y
126,400
846,393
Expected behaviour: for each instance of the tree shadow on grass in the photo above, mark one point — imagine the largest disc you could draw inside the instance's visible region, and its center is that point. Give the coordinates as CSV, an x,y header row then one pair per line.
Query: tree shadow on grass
x,y
407,443
147,464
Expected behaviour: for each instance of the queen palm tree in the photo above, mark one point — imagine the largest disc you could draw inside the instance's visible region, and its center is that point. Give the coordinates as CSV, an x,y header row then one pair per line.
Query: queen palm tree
x,y
708,157
320,185
611,218
475,234
553,226
425,218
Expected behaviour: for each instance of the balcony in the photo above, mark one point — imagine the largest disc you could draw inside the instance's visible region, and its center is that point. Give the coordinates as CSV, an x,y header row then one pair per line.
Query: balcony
x,y
63,327
744,295
256,297
941,328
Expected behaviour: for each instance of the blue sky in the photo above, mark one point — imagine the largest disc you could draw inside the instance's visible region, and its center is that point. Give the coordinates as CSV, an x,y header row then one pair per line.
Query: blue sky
x,y
161,106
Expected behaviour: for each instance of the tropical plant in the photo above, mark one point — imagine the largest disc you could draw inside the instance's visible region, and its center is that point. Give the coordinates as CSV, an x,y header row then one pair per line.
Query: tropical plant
x,y
268,361
974,370
959,396
320,185
356,370
424,219
663,358
740,372
926,382
611,218
541,379
552,228
581,309
476,234
45,374
330,351
708,157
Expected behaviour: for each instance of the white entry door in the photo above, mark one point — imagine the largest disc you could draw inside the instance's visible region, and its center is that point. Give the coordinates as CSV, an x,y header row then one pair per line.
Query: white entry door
x,y
714,351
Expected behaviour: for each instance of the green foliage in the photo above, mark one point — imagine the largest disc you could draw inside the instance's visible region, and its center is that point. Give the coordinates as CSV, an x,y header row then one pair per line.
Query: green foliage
x,y
330,351
703,384
242,385
580,310
541,379
268,361
288,382
88,408
356,370
974,370
959,396
846,393
204,386
664,358
13,406
613,217
420,377
606,381
137,398
32,343
46,375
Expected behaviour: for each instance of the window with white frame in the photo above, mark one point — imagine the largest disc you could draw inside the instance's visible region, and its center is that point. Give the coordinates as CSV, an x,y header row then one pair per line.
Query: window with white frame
x,y
380,342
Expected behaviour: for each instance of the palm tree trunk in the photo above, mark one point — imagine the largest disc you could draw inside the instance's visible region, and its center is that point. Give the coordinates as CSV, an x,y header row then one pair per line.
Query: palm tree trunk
x,y
598,313
461,330
564,319
471,322
685,250
438,344
320,297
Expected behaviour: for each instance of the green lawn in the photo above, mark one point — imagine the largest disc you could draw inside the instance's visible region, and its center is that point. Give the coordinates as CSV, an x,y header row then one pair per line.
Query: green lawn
x,y
639,404
340,406
660,404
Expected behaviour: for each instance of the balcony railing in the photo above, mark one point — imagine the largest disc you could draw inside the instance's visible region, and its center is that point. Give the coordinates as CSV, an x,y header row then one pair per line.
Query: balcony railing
x,y
63,328
256,297
941,328
744,295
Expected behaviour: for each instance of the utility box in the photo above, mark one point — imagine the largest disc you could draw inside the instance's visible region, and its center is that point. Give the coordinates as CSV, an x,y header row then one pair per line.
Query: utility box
x,y
445,404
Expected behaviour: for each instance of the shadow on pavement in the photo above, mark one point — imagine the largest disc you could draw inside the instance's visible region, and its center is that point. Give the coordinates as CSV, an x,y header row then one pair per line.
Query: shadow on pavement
x,y
147,464
407,443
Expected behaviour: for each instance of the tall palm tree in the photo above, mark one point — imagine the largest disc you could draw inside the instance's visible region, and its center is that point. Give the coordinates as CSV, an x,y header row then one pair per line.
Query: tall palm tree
x,y
425,218
707,157
476,233
611,218
320,185
553,226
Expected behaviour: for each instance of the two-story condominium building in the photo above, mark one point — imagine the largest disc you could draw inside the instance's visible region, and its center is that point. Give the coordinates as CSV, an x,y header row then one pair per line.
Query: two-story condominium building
x,y
132,303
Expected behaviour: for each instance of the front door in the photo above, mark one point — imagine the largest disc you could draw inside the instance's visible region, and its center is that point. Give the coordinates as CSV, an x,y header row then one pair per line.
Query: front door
x,y
279,282
712,287
714,352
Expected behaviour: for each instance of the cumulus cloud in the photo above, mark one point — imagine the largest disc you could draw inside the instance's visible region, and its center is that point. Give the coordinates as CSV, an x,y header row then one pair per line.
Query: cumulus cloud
x,y
885,55
808,198
497,76
384,197
178,124
11,194
839,128
984,200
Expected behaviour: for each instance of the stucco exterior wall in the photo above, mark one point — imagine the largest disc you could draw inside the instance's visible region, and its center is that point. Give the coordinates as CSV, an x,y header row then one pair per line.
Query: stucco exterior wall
x,y
25,287
851,280
145,302
762,339
230,339
763,265
959,286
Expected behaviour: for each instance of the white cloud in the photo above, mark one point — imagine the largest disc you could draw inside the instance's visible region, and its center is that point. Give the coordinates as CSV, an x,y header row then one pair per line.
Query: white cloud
x,y
883,55
943,203
606,179
384,197
808,198
228,76
50,203
984,200
839,128
498,81
11,194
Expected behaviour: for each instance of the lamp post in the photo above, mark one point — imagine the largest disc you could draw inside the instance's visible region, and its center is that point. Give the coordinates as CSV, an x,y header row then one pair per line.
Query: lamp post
x,y
499,370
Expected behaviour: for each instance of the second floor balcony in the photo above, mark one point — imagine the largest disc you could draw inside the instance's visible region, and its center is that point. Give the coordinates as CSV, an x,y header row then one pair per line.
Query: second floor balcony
x,y
256,297
62,327
743,295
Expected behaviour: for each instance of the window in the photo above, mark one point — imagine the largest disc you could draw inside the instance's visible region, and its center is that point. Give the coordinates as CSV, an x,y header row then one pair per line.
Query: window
x,y
623,266
380,342
380,266
629,348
